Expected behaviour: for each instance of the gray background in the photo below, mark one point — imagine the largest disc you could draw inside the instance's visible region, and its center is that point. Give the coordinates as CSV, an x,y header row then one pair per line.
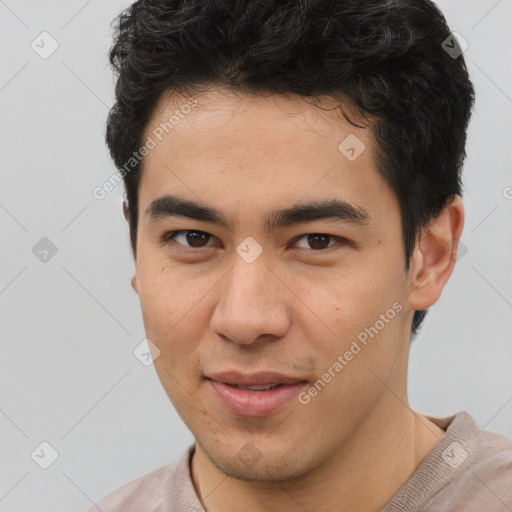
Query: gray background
x,y
69,325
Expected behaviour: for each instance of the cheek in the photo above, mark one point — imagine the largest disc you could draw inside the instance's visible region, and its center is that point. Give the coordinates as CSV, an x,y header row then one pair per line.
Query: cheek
x,y
165,293
173,322
352,366
172,310
360,315
345,300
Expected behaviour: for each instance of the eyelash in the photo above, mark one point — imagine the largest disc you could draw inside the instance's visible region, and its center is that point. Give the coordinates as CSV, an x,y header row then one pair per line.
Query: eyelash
x,y
168,237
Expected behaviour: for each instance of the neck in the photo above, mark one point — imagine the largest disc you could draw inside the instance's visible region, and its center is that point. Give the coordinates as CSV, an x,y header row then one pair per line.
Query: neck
x,y
362,476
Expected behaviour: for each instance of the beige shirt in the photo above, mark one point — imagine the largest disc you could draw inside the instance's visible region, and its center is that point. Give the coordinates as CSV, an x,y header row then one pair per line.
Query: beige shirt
x,y
469,470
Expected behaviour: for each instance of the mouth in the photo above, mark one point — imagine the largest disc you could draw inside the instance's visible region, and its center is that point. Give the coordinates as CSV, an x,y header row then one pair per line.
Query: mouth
x,y
264,387
256,395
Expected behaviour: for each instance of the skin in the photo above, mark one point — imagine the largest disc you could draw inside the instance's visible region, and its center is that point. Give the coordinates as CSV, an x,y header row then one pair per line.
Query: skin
x,y
293,310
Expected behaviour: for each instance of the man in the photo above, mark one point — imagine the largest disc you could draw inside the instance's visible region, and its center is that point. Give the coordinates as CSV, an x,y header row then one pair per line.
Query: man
x,y
292,173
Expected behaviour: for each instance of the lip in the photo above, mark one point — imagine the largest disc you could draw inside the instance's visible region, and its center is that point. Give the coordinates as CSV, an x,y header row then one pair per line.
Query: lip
x,y
253,379
254,404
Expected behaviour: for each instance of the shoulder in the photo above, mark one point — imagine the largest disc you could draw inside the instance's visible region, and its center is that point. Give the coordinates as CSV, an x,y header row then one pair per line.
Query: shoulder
x,y
469,469
484,473
166,489
144,493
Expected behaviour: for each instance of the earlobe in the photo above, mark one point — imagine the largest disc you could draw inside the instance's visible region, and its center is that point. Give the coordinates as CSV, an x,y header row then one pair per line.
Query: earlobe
x,y
126,211
435,254
134,284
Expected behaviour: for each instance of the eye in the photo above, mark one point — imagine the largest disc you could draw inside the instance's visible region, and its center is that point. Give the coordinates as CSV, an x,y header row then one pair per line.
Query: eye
x,y
199,239
188,238
317,241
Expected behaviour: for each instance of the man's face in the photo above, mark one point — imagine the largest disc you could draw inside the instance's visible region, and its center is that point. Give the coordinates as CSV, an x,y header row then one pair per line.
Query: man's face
x,y
259,295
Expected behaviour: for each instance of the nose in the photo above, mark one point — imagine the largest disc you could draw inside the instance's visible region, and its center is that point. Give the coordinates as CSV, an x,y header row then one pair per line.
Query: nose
x,y
252,304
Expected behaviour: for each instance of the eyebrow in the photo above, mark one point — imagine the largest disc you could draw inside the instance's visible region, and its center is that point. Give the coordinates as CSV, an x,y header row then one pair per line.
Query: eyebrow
x,y
327,209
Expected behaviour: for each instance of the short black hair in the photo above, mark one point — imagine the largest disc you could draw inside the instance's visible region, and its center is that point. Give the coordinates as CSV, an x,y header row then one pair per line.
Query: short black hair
x,y
384,56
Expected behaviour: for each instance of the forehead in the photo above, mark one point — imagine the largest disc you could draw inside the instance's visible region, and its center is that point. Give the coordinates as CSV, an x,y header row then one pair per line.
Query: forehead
x,y
229,146
218,112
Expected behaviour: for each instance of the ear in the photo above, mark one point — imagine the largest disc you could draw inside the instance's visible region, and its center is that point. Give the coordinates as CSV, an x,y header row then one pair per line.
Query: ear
x,y
135,286
435,254
126,213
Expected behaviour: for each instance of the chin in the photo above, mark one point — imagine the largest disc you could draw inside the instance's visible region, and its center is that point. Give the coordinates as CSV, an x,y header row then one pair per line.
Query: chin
x,y
251,465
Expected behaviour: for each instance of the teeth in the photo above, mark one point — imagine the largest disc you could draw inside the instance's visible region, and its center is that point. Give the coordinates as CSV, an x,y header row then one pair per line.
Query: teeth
x,y
265,387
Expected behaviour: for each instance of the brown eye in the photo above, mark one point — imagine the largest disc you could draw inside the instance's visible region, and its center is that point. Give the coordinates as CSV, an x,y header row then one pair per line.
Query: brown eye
x,y
197,238
316,241
190,238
